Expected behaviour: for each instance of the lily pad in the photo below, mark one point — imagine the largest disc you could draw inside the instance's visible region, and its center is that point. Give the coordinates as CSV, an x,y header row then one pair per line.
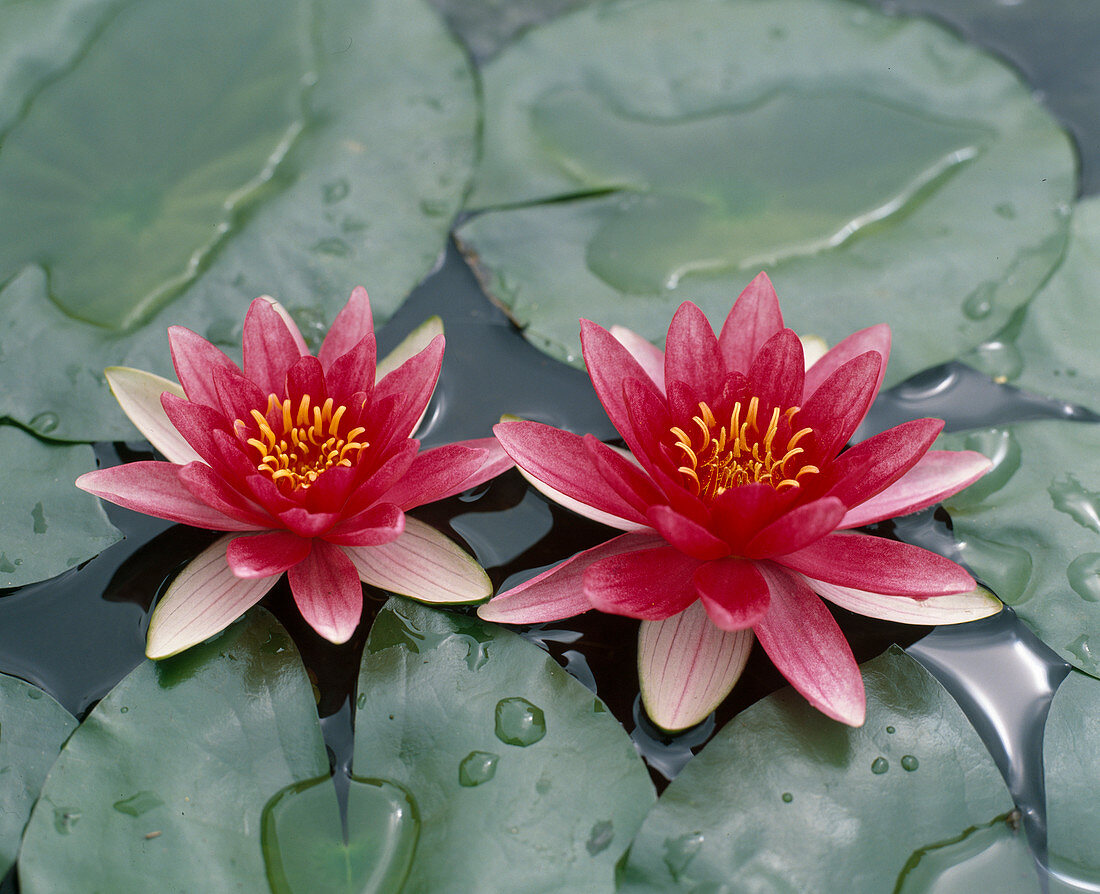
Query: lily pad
x,y
47,526
32,729
1031,529
168,776
1071,755
191,159
1052,349
523,780
785,800
638,154
486,26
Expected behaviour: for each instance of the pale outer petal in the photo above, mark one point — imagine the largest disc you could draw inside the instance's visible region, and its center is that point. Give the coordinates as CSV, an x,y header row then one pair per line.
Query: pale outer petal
x,y
814,347
411,345
687,666
138,393
957,608
649,356
295,332
203,600
423,564
606,518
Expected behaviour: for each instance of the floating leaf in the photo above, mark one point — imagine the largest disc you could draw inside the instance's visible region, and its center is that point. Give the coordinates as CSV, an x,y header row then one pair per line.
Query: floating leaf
x,y
878,167
485,26
522,779
191,159
1031,529
47,525
784,799
32,729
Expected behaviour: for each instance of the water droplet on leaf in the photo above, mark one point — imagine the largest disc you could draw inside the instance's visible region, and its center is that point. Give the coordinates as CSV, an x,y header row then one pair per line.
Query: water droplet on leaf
x,y
44,423
600,838
518,722
679,852
909,763
879,766
476,768
1084,576
64,819
787,797
39,516
138,804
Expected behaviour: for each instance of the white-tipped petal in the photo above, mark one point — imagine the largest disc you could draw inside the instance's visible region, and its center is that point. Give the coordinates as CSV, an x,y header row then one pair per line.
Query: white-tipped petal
x,y
295,332
649,356
957,608
687,666
583,509
423,564
205,599
138,393
814,347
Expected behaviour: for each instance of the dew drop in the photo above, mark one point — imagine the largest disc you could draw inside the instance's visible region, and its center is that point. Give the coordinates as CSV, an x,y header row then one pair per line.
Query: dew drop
x,y
1082,650
1000,360
679,852
909,763
335,191
890,730
138,804
6,566
600,838
44,423
1084,576
39,516
1076,501
64,819
434,207
879,766
979,304
787,797
123,710
361,702
34,694
518,722
476,768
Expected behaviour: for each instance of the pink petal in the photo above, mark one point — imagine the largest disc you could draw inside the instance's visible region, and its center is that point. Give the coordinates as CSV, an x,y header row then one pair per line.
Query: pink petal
x,y
203,600
687,536
196,423
352,372
687,666
380,524
559,592
937,475
262,555
288,321
327,592
270,348
754,318
874,338
609,364
308,524
351,326
210,488
797,528
777,371
560,461
411,345
733,592
138,393
195,360
872,465
238,396
445,471
424,564
879,566
383,478
839,405
414,381
806,645
155,489
305,378
650,584
622,473
691,350
649,356
956,608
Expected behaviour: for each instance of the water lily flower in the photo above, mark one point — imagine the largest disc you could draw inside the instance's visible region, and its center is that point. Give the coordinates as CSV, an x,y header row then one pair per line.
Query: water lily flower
x,y
738,504
309,462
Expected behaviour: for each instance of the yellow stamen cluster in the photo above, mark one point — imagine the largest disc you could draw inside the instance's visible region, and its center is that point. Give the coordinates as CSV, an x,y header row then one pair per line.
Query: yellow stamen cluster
x,y
719,457
311,441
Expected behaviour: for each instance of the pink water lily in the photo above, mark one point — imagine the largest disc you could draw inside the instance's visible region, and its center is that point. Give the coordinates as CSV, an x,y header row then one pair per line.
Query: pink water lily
x,y
308,461
737,498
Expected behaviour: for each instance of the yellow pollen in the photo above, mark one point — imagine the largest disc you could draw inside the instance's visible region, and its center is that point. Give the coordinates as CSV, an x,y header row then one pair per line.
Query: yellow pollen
x,y
310,441
743,452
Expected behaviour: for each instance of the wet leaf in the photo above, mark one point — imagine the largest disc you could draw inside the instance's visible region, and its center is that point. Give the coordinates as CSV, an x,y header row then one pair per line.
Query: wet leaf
x,y
32,729
518,772
640,154
47,526
785,800
486,26
1031,529
191,159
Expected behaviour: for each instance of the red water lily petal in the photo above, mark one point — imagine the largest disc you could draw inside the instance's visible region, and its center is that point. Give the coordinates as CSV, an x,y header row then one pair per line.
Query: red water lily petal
x,y
270,348
797,528
691,350
351,326
494,461
649,356
305,378
210,488
687,536
448,470
308,524
936,476
777,371
650,424
353,373
872,465
754,318
561,460
327,592
878,565
741,512
238,396
806,645
609,364
155,489
380,524
195,360
262,555
836,408
414,381
650,584
874,338
383,478
197,423
623,475
687,666
733,593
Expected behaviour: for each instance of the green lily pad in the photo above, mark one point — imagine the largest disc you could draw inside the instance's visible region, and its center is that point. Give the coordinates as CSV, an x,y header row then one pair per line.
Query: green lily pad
x,y
168,776
295,149
1031,529
785,800
522,779
1071,756
486,26
32,729
47,526
1051,349
638,154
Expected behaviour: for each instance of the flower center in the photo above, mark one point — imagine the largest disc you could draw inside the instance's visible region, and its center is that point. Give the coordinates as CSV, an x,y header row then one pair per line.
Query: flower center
x,y
718,457
310,442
